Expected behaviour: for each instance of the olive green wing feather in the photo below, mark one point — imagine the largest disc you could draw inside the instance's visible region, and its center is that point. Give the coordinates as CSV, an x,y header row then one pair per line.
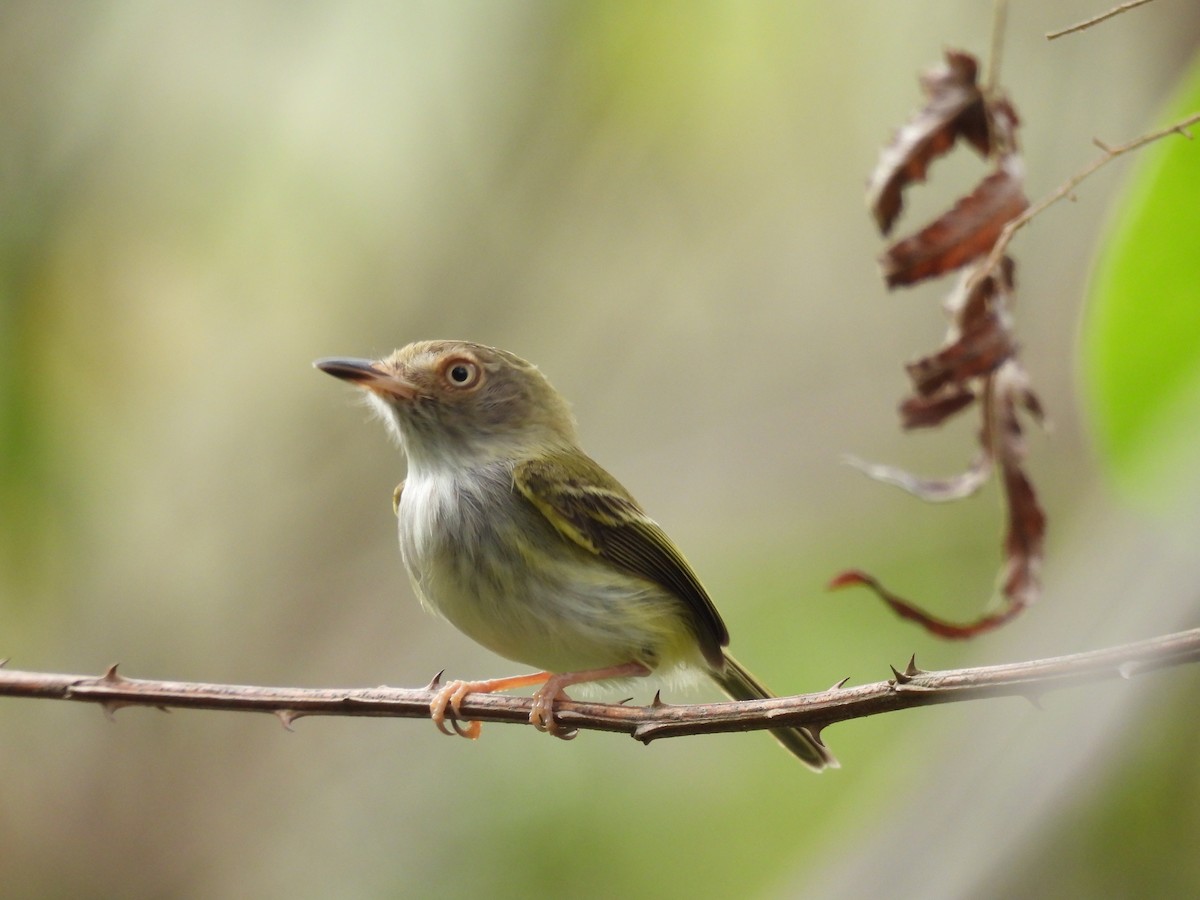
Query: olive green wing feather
x,y
590,508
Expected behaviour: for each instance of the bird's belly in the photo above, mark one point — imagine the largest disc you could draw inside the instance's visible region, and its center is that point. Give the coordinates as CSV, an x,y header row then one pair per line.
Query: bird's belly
x,y
511,582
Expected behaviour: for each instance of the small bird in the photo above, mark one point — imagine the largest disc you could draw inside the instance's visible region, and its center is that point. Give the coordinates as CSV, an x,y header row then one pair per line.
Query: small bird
x,y
526,545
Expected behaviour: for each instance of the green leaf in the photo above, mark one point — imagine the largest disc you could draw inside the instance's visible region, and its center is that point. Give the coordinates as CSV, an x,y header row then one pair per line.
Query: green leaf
x,y
1141,338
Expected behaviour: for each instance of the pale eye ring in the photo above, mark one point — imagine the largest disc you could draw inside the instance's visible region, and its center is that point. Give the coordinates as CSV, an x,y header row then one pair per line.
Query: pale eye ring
x,y
462,373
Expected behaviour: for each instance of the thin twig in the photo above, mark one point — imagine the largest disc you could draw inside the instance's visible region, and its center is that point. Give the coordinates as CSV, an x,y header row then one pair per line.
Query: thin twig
x,y
1096,20
909,688
1068,187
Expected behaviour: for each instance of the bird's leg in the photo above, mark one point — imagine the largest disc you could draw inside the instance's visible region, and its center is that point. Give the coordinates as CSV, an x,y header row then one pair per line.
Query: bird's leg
x,y
541,716
452,693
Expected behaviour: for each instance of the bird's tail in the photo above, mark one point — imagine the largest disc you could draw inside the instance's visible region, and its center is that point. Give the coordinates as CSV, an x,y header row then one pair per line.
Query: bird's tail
x,y
739,684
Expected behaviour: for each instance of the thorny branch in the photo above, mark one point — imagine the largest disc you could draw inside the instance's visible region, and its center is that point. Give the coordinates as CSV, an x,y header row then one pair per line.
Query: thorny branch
x,y
909,688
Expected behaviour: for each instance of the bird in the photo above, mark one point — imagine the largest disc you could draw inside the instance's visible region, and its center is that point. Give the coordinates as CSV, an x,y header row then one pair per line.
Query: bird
x,y
513,534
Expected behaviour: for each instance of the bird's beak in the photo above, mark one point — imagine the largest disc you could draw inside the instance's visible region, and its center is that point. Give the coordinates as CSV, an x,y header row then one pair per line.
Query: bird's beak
x,y
368,374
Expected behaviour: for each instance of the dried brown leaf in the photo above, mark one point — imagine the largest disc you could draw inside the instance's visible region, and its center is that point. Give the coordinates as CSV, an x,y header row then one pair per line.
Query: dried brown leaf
x,y
1025,535
930,412
966,232
977,361
1005,393
955,108
981,348
931,623
1023,543
980,340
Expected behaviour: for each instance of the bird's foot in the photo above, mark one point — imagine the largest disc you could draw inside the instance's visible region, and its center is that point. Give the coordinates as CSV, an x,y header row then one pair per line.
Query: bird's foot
x,y
542,716
450,696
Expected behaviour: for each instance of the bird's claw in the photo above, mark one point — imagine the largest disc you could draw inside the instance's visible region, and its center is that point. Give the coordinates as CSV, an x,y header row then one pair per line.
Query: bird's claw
x,y
541,715
451,695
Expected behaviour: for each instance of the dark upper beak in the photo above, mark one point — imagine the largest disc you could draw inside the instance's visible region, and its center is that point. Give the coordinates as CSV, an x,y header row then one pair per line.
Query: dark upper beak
x,y
368,374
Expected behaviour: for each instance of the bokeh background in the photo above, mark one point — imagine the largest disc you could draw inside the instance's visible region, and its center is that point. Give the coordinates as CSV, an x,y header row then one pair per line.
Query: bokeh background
x,y
661,204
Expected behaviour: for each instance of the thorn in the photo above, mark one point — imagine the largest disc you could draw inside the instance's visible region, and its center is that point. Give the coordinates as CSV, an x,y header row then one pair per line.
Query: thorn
x,y
567,734
3,662
912,669
286,717
1035,700
165,709
110,708
838,685
1127,669
623,702
814,732
436,682
657,702
111,675
644,733
900,677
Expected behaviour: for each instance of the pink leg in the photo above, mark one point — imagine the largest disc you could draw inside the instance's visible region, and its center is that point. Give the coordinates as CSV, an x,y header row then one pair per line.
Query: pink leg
x,y
541,716
452,694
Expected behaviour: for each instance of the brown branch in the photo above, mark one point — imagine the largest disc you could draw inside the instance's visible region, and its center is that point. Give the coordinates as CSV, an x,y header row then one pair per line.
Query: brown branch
x,y
907,689
1096,20
1068,187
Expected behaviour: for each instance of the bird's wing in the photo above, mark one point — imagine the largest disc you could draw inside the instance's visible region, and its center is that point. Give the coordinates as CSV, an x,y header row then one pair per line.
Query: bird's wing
x,y
590,508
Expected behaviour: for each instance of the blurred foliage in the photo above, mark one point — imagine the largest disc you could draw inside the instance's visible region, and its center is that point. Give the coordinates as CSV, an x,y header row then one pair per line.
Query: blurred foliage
x,y
661,204
1141,342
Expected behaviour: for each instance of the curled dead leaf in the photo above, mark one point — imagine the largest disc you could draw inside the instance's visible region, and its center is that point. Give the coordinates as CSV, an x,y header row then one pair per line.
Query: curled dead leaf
x,y
930,412
977,361
963,234
954,109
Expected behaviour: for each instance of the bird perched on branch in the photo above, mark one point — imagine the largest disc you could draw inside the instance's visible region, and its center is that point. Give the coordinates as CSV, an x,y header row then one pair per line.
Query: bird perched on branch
x,y
525,544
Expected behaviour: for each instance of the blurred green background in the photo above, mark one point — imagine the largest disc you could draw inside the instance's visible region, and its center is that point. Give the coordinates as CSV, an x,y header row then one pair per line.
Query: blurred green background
x,y
661,205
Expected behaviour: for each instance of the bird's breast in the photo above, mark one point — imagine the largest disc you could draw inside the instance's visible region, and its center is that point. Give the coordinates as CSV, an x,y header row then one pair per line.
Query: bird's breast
x,y
480,555
467,539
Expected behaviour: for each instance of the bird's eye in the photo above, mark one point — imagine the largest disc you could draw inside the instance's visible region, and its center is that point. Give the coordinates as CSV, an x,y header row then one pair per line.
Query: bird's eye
x,y
462,373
